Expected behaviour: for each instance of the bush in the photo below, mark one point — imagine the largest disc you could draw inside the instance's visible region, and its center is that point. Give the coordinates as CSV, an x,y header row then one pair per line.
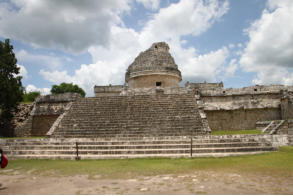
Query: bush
x,y
67,87
31,96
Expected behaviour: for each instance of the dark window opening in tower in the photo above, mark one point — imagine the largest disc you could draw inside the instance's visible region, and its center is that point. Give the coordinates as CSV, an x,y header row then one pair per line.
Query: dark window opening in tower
x,y
158,83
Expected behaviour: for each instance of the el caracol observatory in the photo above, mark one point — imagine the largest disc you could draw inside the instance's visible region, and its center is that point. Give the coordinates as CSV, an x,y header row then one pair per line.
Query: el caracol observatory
x,y
153,67
151,115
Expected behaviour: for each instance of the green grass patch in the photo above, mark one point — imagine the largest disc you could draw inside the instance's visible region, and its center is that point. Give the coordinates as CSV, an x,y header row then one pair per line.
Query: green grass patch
x,y
236,132
25,102
272,163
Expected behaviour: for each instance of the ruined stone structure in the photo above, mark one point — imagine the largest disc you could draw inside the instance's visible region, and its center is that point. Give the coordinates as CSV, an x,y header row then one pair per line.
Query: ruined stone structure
x,y
151,115
152,104
153,67
240,109
154,74
43,113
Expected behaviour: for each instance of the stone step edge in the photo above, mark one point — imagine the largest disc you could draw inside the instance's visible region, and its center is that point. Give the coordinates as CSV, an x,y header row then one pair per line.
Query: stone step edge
x,y
141,150
186,155
130,145
138,139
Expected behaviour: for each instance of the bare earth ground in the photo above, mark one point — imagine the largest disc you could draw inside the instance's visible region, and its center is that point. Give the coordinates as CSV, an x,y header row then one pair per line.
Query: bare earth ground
x,y
199,182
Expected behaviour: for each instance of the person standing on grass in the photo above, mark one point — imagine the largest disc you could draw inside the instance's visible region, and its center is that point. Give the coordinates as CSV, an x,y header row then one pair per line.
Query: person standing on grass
x,y
1,152
3,164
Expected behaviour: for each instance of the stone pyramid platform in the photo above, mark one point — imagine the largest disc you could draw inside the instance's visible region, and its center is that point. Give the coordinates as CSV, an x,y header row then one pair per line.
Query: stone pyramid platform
x,y
132,116
102,148
140,126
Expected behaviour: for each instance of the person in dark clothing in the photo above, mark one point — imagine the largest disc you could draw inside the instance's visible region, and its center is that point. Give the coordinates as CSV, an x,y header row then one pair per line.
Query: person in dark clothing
x,y
1,152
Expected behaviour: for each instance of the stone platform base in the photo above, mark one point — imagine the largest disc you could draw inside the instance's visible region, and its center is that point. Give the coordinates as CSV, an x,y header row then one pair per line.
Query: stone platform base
x,y
103,148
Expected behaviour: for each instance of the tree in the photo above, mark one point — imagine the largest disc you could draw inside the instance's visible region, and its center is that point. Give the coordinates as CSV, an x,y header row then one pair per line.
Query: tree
x,y
11,89
31,96
67,87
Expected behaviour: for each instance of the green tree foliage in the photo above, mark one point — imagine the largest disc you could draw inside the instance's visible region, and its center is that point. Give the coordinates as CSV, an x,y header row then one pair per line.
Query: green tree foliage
x,y
11,89
67,87
31,96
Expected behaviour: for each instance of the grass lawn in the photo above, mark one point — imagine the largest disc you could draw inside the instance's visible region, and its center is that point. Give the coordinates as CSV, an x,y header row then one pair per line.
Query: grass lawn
x,y
25,102
272,163
236,132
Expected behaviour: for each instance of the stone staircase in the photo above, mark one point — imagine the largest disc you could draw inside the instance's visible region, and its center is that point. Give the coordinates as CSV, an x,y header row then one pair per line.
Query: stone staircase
x,y
131,116
202,113
273,127
109,148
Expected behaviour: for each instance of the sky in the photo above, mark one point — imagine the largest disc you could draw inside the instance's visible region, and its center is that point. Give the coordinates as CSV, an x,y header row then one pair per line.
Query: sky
x,y
90,42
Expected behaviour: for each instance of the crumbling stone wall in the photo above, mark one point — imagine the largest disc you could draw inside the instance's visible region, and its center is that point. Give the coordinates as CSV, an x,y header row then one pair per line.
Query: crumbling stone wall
x,y
287,105
22,120
290,127
20,116
111,90
42,124
205,85
45,111
240,119
236,109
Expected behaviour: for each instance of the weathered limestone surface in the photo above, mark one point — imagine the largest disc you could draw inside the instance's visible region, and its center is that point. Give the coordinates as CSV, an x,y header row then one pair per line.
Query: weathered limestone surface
x,y
285,128
53,104
167,146
287,104
110,90
239,119
152,91
46,110
230,109
132,116
205,86
153,65
22,114
22,120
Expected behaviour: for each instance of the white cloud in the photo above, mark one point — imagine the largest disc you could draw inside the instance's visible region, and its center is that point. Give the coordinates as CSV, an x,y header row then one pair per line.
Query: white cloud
x,y
69,25
22,71
111,62
51,62
56,76
269,51
231,46
203,67
274,75
230,70
183,18
150,4
43,91
239,45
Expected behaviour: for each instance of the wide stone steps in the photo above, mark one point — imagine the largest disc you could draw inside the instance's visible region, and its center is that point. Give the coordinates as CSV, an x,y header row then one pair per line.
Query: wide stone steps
x,y
140,151
129,156
273,127
135,141
128,116
101,148
126,131
133,146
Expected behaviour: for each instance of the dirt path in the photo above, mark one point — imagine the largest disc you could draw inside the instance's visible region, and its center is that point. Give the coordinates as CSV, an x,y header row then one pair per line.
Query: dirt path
x,y
200,182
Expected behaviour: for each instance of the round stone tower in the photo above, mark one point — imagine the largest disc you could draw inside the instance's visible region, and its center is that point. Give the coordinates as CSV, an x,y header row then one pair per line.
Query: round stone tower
x,y
152,68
